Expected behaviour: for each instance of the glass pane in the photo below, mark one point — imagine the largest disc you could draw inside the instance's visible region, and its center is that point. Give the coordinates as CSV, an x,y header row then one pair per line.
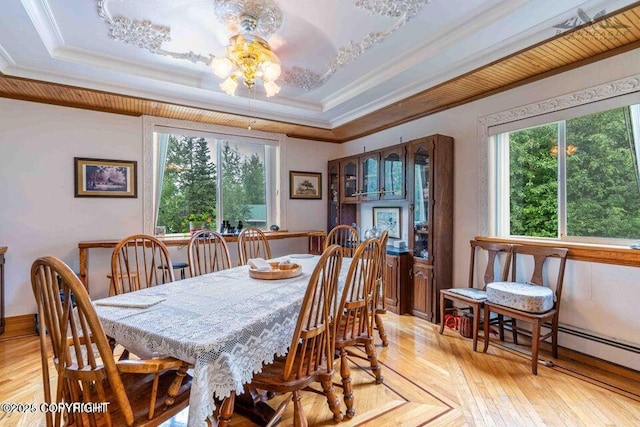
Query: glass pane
x,y
243,185
333,196
349,174
393,175
533,181
188,184
421,207
370,177
603,197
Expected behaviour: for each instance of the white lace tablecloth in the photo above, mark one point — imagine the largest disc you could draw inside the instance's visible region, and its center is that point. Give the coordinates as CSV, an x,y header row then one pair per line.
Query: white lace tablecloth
x,y
226,324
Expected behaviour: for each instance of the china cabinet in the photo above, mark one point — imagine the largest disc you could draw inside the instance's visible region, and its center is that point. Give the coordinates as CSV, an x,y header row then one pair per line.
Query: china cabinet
x,y
419,175
430,176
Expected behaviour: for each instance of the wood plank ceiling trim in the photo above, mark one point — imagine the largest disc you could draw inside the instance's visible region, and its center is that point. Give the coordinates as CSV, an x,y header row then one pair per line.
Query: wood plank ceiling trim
x,y
583,45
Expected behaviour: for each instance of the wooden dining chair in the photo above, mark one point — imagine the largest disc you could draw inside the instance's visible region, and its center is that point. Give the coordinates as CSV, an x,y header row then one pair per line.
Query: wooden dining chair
x,y
353,321
473,296
310,356
252,243
344,236
535,301
138,392
135,261
207,252
379,302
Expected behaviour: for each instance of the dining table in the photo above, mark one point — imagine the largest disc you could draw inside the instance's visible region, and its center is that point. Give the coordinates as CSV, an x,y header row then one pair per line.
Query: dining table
x,y
226,324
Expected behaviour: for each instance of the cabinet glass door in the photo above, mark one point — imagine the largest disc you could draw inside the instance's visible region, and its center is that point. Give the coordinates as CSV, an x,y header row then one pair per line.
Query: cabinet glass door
x,y
393,175
422,200
334,202
370,178
349,180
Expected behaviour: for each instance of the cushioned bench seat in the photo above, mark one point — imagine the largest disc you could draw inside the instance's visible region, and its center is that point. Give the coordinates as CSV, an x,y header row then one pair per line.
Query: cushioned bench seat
x,y
475,294
521,296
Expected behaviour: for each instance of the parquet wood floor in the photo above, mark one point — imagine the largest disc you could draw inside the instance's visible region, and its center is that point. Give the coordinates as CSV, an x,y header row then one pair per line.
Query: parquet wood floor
x,y
430,380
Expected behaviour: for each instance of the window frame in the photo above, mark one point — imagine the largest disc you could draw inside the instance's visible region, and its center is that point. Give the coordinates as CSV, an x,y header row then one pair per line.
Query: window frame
x,y
276,157
618,93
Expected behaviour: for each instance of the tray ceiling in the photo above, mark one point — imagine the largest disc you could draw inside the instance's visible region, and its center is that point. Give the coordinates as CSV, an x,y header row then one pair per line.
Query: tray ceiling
x,y
347,64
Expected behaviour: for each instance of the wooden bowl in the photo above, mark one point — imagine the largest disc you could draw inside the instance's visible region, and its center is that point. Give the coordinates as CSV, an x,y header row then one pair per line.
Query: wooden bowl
x,y
278,271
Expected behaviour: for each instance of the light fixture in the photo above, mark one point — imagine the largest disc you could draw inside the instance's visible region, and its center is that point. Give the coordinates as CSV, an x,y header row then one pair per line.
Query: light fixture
x,y
571,150
249,57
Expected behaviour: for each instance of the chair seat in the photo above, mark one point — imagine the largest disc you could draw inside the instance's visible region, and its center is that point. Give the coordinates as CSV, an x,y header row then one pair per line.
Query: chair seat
x,y
176,265
521,296
270,378
475,294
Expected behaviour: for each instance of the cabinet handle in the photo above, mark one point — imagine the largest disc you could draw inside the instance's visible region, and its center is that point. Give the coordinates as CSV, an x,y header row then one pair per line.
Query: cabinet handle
x,y
411,273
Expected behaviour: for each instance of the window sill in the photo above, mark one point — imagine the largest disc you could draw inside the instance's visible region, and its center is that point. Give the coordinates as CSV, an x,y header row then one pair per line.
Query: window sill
x,y
604,254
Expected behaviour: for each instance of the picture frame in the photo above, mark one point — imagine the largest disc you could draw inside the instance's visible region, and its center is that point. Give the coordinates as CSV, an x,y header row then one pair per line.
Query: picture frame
x,y
305,185
105,177
388,218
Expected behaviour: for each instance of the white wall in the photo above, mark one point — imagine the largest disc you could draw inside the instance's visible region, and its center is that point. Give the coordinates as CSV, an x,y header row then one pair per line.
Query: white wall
x,y
601,299
308,156
39,214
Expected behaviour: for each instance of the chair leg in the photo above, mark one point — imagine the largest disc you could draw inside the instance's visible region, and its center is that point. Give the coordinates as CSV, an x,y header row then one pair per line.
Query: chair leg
x,y
332,399
535,342
373,361
441,313
487,313
299,419
476,325
381,331
501,326
514,330
347,387
554,336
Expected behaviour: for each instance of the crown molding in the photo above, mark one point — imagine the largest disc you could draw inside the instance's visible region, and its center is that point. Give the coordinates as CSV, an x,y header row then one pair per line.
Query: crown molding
x,y
44,23
6,61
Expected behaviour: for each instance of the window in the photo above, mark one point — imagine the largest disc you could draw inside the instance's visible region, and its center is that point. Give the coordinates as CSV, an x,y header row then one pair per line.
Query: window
x,y
215,178
574,179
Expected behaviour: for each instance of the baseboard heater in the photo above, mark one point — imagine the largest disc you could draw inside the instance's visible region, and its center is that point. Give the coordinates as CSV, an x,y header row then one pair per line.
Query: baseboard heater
x,y
602,340
587,336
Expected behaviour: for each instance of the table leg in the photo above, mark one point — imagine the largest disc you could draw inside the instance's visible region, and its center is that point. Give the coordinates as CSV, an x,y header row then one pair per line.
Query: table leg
x,y
253,404
84,266
226,410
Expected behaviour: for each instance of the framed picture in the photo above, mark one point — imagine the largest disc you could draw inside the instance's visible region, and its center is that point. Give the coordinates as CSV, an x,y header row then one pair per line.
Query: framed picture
x,y
105,178
305,185
388,219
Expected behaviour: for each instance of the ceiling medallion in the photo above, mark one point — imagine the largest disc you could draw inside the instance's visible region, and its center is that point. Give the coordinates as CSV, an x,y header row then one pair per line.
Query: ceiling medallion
x,y
230,12
147,35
